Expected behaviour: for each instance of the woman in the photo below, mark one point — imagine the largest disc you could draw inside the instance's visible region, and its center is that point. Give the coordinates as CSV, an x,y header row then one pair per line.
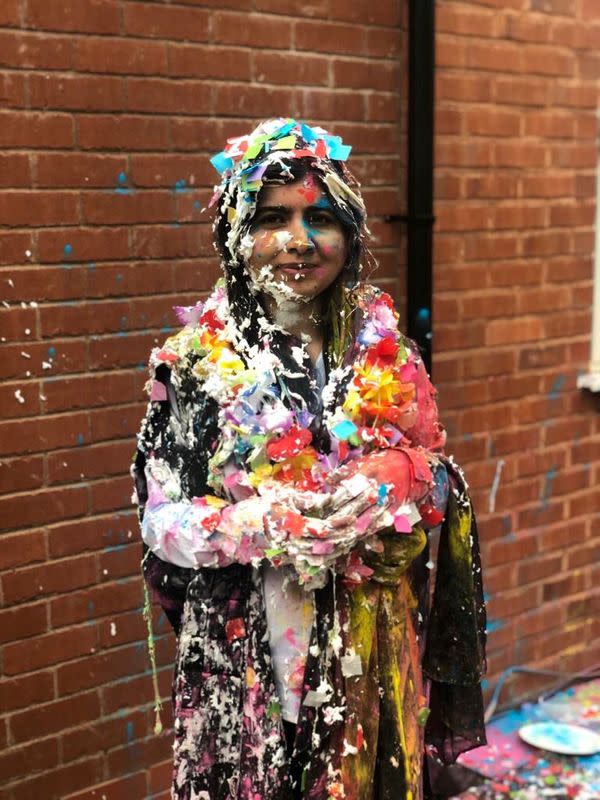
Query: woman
x,y
289,466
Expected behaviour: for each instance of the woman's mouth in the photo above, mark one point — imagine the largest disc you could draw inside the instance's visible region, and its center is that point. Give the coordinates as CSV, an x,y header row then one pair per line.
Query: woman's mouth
x,y
296,268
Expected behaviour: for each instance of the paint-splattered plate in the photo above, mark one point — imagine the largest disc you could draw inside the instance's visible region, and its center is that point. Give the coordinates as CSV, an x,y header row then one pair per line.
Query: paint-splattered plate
x,y
560,737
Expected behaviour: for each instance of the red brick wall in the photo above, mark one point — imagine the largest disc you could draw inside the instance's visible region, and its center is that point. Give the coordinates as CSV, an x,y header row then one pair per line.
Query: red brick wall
x,y
517,93
109,111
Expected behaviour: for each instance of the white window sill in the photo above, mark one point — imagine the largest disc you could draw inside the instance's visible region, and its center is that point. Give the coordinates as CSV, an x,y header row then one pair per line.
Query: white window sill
x,y
590,381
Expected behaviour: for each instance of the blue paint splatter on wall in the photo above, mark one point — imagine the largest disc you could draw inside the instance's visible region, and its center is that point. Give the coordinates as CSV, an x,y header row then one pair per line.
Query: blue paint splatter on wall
x,y
494,625
67,250
80,438
52,352
122,187
556,388
547,487
129,732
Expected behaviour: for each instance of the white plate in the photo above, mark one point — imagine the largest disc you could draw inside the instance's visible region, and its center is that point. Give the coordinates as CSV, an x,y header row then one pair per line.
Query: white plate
x,y
560,737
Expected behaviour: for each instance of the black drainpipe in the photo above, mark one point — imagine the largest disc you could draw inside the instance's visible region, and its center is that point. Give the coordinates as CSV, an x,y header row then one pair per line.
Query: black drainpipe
x,y
420,219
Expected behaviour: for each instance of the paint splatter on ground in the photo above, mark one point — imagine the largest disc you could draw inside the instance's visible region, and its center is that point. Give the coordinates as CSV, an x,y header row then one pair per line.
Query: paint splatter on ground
x,y
517,771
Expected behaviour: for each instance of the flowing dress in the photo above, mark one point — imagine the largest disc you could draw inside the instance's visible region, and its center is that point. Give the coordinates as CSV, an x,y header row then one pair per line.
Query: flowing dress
x,y
393,670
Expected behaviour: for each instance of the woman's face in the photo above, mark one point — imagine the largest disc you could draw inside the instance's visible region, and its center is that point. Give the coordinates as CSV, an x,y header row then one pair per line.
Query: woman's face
x,y
298,240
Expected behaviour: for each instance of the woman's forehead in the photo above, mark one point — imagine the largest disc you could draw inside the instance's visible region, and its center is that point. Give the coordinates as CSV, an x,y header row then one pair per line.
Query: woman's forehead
x,y
299,194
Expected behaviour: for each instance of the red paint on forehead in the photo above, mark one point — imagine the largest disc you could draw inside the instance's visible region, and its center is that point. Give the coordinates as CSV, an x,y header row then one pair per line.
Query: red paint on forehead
x,y
309,189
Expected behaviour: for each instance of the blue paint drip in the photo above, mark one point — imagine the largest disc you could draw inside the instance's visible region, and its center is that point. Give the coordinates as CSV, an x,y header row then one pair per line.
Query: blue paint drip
x,y
80,438
494,625
557,386
180,186
114,548
129,732
547,487
91,607
67,250
52,352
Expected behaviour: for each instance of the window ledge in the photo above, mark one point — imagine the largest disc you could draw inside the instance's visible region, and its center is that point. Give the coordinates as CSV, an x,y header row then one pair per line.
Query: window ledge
x,y
590,381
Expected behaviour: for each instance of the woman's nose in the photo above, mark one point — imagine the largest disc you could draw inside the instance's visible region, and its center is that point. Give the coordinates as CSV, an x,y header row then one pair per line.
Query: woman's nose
x,y
301,238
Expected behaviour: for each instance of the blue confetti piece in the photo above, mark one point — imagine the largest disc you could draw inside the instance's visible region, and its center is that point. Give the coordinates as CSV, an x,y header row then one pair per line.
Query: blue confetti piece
x,y
221,162
339,151
308,133
285,129
343,430
382,494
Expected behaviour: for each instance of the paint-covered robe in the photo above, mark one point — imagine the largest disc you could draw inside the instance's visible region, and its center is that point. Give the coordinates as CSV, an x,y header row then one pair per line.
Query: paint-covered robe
x,y
386,674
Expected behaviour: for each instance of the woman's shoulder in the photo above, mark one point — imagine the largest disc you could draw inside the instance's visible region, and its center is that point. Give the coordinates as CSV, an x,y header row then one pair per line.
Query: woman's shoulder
x,y
179,348
379,309
174,351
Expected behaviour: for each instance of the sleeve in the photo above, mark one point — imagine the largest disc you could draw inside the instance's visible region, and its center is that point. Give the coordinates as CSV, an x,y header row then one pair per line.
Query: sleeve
x,y
454,658
167,582
415,466
429,434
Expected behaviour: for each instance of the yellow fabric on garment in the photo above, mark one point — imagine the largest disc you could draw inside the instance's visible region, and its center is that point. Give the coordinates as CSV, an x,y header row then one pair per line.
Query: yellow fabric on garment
x,y
381,631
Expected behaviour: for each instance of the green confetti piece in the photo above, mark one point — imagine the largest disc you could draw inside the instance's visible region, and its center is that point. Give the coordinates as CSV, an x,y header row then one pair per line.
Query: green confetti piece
x,y
422,716
274,709
274,551
254,149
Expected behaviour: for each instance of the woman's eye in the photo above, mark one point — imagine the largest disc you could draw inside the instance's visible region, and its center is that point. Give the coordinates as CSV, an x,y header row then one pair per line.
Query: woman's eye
x,y
271,219
320,218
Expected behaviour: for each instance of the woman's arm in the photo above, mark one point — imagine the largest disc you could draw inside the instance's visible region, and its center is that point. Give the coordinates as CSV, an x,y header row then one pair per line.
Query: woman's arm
x,y
207,532
281,524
